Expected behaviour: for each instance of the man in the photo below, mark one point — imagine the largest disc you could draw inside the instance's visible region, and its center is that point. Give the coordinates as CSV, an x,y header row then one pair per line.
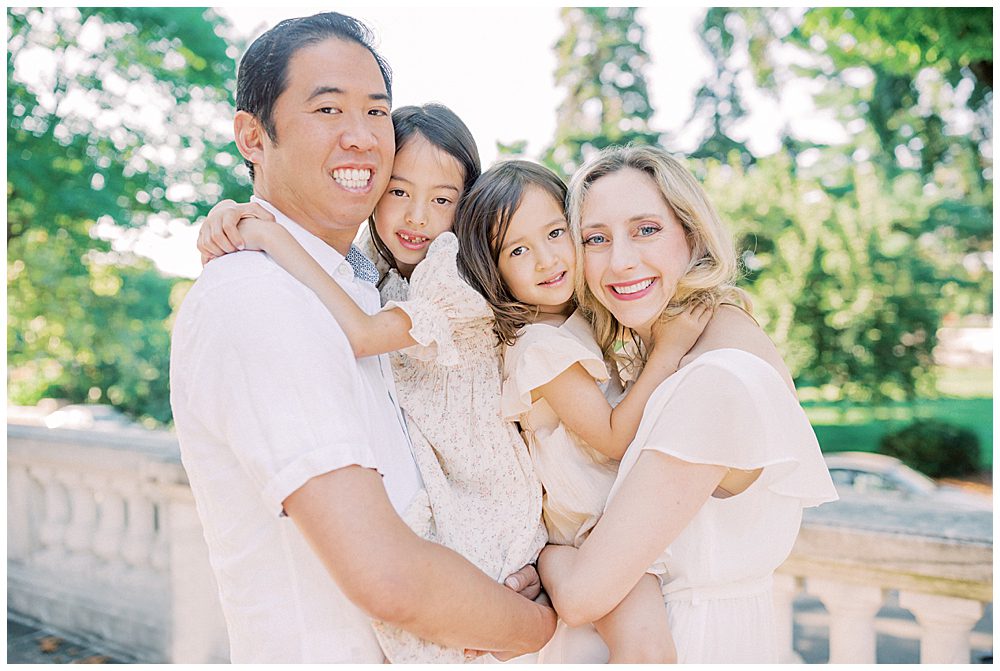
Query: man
x,y
296,451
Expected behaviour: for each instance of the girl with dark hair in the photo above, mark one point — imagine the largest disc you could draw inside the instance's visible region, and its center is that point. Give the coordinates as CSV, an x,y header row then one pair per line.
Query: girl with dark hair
x,y
504,279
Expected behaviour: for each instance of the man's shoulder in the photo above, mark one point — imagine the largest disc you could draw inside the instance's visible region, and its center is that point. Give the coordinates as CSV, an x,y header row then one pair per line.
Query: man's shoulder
x,y
249,276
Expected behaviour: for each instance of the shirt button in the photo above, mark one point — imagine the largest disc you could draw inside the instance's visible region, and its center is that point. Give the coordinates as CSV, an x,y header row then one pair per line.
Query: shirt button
x,y
345,270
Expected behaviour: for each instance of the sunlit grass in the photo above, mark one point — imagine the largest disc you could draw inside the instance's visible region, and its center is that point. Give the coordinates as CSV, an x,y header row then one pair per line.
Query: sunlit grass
x,y
966,400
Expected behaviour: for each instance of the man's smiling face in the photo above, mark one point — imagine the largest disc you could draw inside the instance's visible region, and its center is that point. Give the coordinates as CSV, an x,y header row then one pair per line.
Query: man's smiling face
x,y
334,146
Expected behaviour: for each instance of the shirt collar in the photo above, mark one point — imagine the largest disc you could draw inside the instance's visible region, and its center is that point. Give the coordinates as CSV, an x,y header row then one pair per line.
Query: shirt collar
x,y
327,257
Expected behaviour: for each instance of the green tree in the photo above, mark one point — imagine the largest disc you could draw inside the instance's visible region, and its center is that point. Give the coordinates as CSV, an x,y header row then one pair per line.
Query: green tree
x,y
858,247
601,65
116,117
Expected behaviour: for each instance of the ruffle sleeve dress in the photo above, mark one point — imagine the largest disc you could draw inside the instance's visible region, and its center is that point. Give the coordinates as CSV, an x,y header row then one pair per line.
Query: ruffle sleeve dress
x,y
576,477
728,407
481,497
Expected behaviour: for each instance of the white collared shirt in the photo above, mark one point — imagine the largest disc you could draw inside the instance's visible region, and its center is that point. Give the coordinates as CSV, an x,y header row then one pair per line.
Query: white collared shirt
x,y
267,394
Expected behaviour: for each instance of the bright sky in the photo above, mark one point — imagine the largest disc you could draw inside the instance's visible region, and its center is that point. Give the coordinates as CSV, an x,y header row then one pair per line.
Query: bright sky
x,y
495,68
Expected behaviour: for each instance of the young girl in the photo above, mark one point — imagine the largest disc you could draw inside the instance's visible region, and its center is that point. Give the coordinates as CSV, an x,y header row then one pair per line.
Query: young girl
x,y
482,497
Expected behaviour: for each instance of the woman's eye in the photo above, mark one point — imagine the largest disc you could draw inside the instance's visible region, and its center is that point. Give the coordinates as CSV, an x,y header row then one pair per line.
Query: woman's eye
x,y
442,201
648,229
399,193
517,251
557,232
596,239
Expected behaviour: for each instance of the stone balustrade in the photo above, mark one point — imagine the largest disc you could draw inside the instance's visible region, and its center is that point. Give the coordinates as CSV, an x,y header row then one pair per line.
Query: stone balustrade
x,y
852,554
104,543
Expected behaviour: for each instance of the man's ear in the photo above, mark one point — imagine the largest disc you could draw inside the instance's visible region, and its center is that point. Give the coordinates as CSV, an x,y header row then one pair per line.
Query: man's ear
x,y
250,136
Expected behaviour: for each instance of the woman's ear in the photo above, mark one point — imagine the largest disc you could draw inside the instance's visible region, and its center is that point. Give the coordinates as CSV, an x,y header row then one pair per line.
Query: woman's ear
x,y
250,136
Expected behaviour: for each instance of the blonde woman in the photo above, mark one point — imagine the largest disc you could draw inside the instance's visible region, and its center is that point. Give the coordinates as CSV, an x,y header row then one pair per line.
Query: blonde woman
x,y
724,460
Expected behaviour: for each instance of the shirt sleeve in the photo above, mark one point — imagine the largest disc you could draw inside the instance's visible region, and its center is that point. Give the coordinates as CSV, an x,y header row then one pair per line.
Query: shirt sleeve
x,y
738,413
540,355
442,306
275,382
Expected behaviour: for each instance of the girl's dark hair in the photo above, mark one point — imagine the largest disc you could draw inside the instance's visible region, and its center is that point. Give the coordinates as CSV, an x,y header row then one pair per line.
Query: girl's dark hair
x,y
442,128
481,225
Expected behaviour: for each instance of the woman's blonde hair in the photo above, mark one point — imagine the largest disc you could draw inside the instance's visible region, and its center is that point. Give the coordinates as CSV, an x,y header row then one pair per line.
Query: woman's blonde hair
x,y
714,268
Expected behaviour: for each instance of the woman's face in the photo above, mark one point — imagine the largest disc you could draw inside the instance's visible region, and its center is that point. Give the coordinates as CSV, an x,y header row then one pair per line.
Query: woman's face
x,y
419,203
635,250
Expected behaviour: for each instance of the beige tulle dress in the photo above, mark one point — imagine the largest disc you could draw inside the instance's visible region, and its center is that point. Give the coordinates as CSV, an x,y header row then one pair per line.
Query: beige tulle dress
x,y
481,497
576,477
729,407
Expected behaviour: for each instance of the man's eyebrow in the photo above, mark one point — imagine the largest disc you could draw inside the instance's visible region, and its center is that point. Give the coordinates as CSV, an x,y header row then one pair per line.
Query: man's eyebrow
x,y
323,90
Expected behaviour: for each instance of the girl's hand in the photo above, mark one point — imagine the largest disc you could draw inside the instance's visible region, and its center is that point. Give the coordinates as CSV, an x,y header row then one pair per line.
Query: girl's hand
x,y
221,232
674,337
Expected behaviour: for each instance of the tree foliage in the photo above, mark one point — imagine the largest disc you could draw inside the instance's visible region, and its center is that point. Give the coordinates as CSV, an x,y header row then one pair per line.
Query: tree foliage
x,y
601,65
855,248
113,121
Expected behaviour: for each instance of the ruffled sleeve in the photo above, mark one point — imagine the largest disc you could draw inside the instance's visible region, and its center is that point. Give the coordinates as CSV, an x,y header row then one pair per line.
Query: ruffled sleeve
x,y
731,408
540,355
441,305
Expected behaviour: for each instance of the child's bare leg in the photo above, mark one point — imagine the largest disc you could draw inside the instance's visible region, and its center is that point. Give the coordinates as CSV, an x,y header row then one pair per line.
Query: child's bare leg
x,y
637,630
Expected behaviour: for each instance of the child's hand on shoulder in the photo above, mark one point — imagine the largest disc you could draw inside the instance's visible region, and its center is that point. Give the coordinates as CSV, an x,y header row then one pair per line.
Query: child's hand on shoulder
x,y
674,337
232,227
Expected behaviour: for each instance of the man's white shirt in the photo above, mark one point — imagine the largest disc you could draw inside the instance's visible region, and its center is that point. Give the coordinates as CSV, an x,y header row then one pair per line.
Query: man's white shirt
x,y
267,394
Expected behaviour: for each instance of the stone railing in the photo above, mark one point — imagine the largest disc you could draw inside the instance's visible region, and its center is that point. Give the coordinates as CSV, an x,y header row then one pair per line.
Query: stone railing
x,y
852,554
104,544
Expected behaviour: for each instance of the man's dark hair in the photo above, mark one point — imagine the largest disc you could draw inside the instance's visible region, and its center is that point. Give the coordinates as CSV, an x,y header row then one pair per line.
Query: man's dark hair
x,y
263,72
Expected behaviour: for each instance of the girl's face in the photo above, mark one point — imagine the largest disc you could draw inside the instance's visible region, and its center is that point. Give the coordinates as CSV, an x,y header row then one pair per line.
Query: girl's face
x,y
537,258
419,203
635,250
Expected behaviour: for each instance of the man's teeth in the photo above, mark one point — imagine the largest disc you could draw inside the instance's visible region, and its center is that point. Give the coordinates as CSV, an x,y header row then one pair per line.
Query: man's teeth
x,y
632,288
352,178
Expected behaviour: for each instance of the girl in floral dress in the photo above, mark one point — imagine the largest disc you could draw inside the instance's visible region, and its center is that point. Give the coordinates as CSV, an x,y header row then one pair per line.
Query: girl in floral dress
x,y
461,302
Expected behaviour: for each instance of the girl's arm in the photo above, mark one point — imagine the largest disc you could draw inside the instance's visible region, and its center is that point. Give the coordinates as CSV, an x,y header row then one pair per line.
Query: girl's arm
x,y
657,500
637,631
581,406
385,331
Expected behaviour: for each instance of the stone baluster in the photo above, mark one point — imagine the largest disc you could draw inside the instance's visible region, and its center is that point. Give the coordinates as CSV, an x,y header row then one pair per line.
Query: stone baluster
x,y
110,525
945,625
160,553
82,516
55,513
19,517
852,611
786,587
138,539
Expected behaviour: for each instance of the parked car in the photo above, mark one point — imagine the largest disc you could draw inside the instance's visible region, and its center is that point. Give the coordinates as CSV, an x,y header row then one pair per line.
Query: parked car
x,y
873,476
88,416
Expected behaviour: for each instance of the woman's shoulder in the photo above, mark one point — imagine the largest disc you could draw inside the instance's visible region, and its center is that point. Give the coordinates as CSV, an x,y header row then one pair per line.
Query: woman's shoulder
x,y
732,328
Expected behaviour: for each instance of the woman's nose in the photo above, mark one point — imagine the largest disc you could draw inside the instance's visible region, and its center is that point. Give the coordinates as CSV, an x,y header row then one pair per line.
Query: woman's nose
x,y
624,255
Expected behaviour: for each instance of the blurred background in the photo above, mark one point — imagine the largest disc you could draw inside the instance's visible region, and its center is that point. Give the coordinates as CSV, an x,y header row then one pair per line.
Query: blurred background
x,y
851,150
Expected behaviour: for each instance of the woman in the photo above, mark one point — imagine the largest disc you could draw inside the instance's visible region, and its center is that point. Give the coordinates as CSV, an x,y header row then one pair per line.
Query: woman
x,y
712,488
